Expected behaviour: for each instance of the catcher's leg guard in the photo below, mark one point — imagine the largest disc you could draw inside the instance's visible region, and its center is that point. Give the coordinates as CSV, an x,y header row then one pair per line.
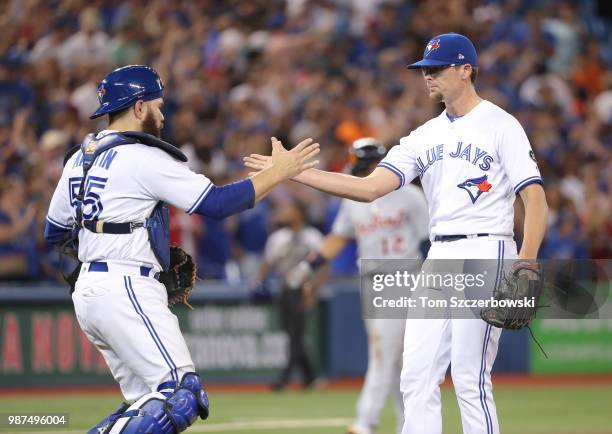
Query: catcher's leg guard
x,y
157,413
105,424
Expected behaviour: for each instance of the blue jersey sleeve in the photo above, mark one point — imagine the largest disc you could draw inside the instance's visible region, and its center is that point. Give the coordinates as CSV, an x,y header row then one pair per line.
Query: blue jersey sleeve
x,y
223,201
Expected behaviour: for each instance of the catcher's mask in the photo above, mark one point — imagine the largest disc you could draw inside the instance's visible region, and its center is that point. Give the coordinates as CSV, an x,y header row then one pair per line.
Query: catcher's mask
x,y
364,152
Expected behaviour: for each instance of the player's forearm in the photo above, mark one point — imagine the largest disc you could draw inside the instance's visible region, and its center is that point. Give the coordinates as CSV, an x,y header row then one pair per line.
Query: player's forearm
x,y
536,217
265,181
338,184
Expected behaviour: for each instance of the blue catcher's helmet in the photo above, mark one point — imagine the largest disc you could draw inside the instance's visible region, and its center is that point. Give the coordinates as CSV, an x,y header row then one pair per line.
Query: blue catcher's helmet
x,y
124,86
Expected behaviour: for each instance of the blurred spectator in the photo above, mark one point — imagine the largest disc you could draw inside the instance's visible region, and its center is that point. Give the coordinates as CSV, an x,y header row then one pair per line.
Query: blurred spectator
x,y
16,235
250,233
89,45
566,29
214,249
49,45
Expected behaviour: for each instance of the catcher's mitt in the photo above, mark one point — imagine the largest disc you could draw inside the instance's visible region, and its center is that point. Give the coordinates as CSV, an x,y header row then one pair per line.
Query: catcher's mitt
x,y
180,278
524,284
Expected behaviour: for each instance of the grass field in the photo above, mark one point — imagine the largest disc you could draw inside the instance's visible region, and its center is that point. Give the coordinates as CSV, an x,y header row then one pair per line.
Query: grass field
x,y
522,409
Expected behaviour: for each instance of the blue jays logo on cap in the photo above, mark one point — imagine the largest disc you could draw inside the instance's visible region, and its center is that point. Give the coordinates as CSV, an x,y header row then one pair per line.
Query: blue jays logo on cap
x,y
448,49
434,44
475,187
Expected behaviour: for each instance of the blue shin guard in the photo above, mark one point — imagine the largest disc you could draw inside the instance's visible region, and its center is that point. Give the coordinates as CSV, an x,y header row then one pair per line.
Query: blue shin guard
x,y
165,413
105,424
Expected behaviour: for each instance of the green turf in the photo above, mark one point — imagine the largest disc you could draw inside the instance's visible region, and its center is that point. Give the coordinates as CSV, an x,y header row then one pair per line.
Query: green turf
x,y
525,410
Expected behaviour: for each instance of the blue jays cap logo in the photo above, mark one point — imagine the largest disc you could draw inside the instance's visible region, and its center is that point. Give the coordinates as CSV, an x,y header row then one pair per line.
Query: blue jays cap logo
x,y
101,92
475,187
434,44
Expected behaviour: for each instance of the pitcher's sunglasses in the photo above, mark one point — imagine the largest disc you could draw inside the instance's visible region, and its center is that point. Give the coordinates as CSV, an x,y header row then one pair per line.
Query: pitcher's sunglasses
x,y
434,70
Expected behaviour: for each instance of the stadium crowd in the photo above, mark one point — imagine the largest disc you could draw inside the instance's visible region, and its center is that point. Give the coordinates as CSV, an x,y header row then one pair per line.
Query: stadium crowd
x,y
238,72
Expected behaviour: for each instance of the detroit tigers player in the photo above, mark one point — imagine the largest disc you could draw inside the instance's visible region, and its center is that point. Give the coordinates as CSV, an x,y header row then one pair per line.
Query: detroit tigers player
x,y
473,159
391,227
123,244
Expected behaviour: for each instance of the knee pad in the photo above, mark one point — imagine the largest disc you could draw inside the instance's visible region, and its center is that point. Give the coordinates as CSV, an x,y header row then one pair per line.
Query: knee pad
x,y
167,412
190,383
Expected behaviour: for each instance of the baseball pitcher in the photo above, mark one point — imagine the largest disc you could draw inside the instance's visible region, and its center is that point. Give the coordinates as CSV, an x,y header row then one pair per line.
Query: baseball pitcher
x,y
473,160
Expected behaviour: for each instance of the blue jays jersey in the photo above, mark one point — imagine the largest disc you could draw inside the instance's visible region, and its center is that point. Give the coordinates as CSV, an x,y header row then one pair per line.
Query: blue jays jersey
x,y
471,169
124,185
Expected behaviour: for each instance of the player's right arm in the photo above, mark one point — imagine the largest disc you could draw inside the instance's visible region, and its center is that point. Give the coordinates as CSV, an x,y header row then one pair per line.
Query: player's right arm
x,y
394,171
163,178
284,165
378,183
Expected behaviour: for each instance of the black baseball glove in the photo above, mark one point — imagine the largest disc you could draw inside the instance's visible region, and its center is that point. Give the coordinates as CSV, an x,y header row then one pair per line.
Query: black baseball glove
x,y
522,285
180,278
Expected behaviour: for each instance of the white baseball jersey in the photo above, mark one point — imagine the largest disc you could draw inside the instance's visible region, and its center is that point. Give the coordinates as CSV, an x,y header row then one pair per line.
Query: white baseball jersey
x,y
391,227
471,169
124,185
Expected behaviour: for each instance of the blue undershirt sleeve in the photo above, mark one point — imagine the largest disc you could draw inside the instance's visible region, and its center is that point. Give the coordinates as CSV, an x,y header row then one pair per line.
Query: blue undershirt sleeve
x,y
54,234
225,200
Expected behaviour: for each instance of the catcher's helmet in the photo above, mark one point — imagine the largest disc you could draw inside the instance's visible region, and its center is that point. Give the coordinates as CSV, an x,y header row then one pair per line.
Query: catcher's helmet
x,y
364,152
124,86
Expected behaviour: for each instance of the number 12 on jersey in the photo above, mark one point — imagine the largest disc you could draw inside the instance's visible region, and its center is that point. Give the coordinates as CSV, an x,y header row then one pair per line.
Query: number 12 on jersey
x,y
393,245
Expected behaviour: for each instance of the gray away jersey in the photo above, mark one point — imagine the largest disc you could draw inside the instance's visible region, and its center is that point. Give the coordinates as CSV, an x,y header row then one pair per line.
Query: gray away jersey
x,y
391,227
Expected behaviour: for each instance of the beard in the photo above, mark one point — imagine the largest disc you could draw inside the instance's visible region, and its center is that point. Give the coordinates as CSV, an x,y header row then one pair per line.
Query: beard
x,y
149,126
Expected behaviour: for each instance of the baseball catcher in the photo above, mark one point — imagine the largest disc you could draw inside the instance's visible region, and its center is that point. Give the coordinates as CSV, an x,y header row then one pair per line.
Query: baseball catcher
x,y
524,282
110,209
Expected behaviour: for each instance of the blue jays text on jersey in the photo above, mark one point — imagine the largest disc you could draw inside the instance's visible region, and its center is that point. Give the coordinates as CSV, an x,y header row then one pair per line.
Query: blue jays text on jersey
x,y
472,154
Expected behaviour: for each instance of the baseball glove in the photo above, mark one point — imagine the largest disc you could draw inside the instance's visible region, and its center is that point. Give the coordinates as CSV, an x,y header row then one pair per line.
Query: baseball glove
x,y
524,283
180,278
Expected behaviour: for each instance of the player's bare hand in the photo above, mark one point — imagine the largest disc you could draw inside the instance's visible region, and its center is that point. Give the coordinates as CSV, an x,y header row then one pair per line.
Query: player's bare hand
x,y
287,163
304,151
296,160
257,162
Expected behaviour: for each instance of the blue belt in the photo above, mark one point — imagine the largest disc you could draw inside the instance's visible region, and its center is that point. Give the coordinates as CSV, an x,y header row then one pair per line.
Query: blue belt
x,y
103,268
457,237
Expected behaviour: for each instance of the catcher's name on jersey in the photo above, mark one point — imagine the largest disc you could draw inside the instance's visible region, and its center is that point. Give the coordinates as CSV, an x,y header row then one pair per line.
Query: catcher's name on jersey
x,y
471,169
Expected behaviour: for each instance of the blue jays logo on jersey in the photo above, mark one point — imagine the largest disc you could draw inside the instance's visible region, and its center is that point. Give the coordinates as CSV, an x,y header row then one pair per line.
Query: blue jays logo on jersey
x,y
475,187
433,45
